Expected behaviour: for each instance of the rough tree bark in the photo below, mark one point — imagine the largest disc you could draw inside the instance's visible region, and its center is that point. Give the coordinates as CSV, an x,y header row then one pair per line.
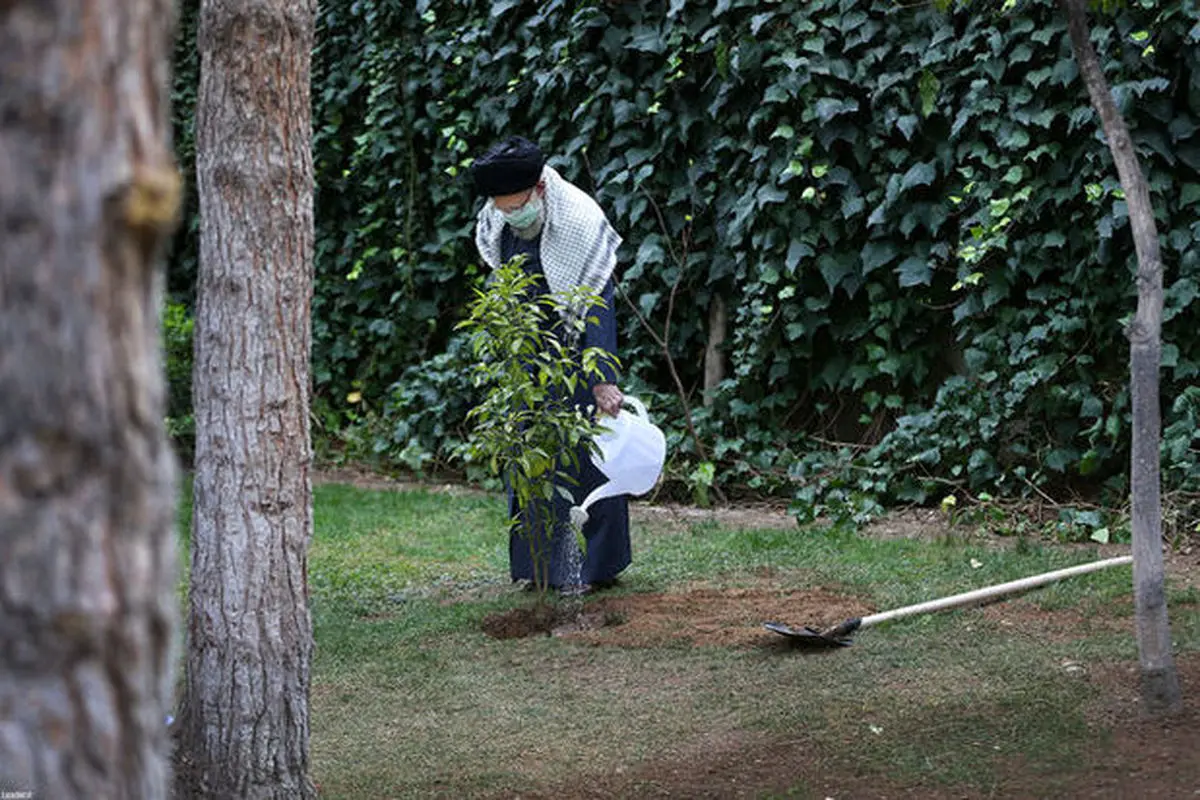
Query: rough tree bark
x,y
244,729
1160,683
88,194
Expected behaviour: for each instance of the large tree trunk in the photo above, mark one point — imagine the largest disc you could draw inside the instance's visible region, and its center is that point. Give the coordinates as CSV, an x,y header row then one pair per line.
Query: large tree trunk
x,y
88,193
1160,684
244,725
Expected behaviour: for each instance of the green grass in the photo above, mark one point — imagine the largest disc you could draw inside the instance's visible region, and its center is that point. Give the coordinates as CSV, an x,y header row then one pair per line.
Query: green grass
x,y
411,699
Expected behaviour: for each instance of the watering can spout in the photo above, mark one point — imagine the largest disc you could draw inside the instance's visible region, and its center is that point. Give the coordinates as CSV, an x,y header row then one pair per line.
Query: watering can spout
x,y
631,453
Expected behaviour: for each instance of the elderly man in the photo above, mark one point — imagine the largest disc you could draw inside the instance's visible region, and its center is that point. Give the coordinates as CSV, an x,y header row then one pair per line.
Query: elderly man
x,y
568,242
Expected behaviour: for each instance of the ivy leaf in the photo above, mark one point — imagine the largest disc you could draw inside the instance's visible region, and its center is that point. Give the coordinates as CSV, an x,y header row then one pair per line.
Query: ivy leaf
x,y
834,270
758,20
796,251
852,205
919,175
1179,296
1037,77
914,271
875,254
676,7
647,302
776,93
770,194
651,251
1189,195
783,131
1170,355
1065,72
814,44
1020,54
829,107
649,40
1181,128
907,125
501,6
792,61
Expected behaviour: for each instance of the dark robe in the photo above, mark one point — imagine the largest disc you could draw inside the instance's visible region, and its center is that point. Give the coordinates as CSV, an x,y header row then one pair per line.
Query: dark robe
x,y
607,528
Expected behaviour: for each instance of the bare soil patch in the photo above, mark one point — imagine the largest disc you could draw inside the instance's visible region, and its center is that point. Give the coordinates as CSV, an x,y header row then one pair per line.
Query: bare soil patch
x,y
699,616
717,617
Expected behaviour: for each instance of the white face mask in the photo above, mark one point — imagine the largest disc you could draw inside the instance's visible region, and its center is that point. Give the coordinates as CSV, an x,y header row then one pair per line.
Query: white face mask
x,y
526,215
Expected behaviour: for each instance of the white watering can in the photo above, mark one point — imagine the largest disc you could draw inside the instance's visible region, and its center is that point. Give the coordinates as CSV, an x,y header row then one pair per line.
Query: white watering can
x,y
631,455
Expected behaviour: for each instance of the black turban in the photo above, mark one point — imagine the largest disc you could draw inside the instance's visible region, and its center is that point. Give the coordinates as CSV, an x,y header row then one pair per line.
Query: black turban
x,y
510,167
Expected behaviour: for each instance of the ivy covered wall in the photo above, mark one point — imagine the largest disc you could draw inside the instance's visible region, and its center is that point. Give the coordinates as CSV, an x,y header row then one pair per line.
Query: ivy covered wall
x,y
908,218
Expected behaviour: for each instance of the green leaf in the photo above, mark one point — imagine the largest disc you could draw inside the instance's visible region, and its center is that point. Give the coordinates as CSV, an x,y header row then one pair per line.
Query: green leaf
x,y
834,270
648,301
1189,195
876,254
651,251
648,40
907,125
501,6
776,93
768,194
1170,356
783,131
852,205
914,271
759,20
921,174
829,107
796,251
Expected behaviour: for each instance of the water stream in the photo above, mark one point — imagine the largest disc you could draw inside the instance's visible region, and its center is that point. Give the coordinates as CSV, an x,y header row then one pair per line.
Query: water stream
x,y
569,563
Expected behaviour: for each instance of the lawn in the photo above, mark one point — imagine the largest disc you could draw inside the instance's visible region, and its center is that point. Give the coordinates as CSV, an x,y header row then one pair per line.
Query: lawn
x,y
681,693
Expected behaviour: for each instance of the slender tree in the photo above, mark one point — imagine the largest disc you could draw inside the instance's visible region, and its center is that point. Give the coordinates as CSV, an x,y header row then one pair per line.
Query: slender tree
x,y
89,191
244,723
1160,683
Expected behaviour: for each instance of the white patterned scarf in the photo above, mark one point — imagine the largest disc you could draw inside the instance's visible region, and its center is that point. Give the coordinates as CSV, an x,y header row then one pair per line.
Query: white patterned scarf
x,y
578,247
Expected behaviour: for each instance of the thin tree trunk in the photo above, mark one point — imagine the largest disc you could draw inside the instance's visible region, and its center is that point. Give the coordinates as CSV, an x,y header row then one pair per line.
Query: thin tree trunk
x,y
88,194
714,358
1160,683
244,725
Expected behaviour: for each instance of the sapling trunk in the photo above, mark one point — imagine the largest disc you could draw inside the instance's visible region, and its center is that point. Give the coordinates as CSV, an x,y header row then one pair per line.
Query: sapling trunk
x,y
1160,683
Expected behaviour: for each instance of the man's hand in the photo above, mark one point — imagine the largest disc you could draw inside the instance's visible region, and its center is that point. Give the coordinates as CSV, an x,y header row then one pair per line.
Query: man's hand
x,y
608,398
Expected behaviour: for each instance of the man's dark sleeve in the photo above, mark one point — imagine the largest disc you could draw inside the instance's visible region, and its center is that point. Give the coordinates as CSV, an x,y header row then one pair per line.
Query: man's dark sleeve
x,y
602,333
